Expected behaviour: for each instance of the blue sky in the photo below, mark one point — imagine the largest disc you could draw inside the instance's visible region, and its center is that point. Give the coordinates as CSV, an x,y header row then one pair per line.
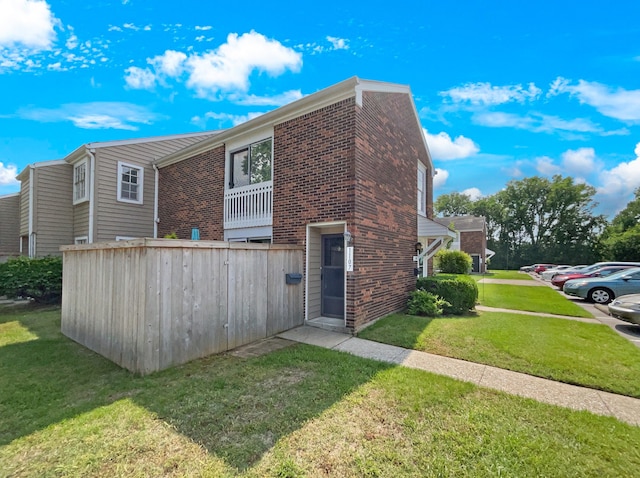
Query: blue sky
x,y
505,90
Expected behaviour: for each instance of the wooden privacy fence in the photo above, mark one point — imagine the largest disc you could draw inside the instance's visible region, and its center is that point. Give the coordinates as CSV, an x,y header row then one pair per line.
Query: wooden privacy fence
x,y
149,304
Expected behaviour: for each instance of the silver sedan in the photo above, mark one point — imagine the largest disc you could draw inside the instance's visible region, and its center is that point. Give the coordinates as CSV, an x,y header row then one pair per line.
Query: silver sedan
x,y
627,308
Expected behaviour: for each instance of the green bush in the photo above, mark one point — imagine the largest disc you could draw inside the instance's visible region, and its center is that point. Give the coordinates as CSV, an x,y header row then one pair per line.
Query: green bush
x,y
37,279
426,304
453,262
460,292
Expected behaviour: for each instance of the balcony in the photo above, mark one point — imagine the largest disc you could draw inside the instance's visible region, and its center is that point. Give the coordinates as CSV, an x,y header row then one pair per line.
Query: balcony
x,y
249,206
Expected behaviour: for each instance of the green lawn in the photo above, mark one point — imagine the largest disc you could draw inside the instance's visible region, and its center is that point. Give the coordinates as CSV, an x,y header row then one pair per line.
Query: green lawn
x,y
584,354
299,411
498,274
528,298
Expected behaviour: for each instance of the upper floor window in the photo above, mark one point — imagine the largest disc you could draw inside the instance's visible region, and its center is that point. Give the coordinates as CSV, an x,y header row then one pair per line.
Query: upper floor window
x,y
80,189
130,183
422,189
251,165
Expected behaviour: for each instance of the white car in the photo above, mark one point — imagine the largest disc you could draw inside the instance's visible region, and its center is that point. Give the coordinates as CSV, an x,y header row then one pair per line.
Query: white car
x,y
549,273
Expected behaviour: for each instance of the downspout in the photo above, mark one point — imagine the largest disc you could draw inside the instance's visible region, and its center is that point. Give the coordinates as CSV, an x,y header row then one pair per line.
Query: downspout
x,y
156,219
92,169
31,243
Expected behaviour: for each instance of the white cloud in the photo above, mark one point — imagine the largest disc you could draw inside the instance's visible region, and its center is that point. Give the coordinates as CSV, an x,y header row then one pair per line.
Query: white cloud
x,y
229,66
473,193
616,103
224,70
440,178
139,78
203,28
547,167
8,174
223,118
623,179
442,147
487,94
96,115
338,43
541,123
171,63
276,100
618,185
580,161
29,23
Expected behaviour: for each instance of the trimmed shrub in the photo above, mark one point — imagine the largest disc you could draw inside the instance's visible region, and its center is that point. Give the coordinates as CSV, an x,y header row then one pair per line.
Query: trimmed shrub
x,y
37,279
460,292
453,262
425,304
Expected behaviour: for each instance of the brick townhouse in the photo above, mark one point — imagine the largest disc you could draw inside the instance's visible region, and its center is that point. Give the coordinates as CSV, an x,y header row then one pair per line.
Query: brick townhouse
x,y
345,172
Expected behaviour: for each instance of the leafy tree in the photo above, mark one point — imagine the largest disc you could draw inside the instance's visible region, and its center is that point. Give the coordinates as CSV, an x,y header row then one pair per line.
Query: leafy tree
x,y
453,204
621,240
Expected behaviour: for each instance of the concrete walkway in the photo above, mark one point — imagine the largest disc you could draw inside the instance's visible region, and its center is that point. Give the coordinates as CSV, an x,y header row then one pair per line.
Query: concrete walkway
x,y
623,408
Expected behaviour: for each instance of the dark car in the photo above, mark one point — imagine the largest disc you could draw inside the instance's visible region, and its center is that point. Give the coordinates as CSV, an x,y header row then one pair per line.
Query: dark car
x,y
560,279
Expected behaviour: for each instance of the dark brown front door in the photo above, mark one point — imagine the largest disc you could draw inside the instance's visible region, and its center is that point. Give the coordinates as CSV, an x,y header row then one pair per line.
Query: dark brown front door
x,y
332,276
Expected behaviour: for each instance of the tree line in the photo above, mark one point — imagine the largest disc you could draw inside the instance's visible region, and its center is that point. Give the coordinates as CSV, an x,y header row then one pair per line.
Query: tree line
x,y
538,220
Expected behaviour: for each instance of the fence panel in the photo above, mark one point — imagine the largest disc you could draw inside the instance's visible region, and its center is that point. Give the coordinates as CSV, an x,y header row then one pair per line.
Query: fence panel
x,y
148,304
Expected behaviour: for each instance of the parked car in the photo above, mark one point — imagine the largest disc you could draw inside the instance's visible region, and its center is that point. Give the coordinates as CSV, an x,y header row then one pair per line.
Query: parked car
x,y
560,279
603,290
627,308
528,268
543,267
549,273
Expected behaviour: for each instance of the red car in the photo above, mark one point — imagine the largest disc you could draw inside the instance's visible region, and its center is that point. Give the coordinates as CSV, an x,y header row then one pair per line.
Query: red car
x,y
542,267
560,279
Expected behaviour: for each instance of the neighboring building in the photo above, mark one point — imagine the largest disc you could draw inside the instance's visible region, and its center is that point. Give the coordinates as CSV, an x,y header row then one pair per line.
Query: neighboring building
x,y
100,192
46,214
340,172
9,225
113,186
471,237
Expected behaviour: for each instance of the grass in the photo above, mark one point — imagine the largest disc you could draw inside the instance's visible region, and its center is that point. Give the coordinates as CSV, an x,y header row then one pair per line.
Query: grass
x,y
299,411
528,298
589,355
510,275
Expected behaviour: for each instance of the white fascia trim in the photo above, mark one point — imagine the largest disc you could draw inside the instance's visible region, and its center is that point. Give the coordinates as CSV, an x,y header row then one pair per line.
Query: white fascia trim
x,y
92,182
343,90
151,139
379,86
31,203
41,164
140,199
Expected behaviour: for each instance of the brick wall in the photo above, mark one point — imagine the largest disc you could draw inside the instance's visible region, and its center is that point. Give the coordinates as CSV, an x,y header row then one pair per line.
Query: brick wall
x,y
475,242
313,171
388,146
191,194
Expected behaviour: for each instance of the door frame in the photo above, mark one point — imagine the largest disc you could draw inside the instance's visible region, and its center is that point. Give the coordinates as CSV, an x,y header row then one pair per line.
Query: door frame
x,y
322,228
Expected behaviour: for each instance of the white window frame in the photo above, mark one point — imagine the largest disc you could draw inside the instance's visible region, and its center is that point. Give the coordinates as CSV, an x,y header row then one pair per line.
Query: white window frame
x,y
85,197
81,240
122,165
422,193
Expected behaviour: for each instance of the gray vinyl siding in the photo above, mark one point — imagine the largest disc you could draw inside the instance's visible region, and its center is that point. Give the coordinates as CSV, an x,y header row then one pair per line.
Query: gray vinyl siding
x,y
24,205
81,219
9,225
53,210
314,272
116,218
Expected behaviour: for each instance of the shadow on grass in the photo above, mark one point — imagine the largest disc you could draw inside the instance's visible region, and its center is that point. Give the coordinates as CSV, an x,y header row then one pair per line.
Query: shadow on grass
x,y
235,408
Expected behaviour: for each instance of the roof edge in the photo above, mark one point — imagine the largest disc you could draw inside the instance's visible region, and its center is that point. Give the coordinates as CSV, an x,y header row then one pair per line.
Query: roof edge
x,y
350,87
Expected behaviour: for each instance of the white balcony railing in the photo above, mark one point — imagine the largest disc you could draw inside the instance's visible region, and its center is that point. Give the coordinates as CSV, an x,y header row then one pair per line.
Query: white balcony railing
x,y
249,206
